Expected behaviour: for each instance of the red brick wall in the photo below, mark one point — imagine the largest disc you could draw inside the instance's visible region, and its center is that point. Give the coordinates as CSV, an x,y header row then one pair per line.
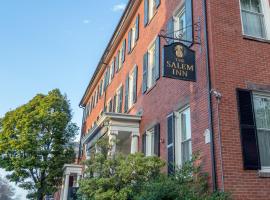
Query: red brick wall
x,y
235,62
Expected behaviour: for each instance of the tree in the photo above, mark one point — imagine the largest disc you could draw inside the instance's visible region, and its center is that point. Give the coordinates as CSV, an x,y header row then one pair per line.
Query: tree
x,y
136,177
6,191
35,143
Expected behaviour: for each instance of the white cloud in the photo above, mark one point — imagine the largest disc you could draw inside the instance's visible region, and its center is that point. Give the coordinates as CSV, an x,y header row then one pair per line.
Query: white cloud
x,y
86,21
119,7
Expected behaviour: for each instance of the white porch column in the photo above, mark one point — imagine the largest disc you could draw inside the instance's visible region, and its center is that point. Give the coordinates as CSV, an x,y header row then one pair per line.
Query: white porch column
x,y
65,193
78,179
134,142
62,188
112,142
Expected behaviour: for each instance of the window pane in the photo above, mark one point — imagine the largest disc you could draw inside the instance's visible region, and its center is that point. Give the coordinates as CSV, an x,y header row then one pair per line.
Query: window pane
x,y
264,147
262,112
262,115
186,151
182,25
255,6
253,24
245,4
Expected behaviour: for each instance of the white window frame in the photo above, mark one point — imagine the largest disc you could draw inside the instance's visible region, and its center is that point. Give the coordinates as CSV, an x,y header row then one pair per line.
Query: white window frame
x,y
110,73
117,98
108,104
120,64
180,12
178,135
151,9
262,95
150,142
133,36
151,64
265,4
131,87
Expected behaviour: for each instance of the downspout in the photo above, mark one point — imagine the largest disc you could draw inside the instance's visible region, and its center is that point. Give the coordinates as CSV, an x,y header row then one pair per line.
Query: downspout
x,y
209,87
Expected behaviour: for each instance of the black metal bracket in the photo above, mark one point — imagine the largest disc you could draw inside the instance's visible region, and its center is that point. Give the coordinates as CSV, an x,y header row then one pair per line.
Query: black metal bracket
x,y
178,34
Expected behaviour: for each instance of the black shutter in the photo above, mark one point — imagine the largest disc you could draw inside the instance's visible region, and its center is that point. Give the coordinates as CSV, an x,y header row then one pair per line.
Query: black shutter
x,y
135,79
110,106
146,9
137,27
144,143
104,83
157,3
157,140
113,68
145,72
121,99
170,30
117,62
170,143
249,140
126,93
189,22
123,51
129,41
157,59
114,103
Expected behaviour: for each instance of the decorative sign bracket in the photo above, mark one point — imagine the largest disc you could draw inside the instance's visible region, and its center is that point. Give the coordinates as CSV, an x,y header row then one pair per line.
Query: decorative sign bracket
x,y
178,35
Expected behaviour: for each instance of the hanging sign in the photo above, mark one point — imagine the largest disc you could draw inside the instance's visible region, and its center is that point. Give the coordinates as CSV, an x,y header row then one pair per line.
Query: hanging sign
x,y
179,62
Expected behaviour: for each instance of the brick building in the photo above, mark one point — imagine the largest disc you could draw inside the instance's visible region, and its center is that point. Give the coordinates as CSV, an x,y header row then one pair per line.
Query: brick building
x,y
224,112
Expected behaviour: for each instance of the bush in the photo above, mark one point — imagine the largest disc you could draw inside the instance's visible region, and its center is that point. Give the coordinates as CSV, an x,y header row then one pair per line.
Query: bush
x,y
136,177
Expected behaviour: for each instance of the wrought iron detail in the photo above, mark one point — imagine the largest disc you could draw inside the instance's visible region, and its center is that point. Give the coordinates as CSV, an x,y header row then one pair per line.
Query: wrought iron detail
x,y
178,35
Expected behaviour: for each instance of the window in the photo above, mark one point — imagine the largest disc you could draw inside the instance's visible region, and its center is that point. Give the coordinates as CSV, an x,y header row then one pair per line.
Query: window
x,y
151,141
119,99
151,66
149,150
180,24
101,87
109,106
262,115
255,18
133,35
151,69
120,54
150,7
183,147
109,74
130,91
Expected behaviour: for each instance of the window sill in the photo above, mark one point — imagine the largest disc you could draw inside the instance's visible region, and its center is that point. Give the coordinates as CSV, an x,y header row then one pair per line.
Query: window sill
x,y
133,48
129,109
264,173
151,88
150,20
248,37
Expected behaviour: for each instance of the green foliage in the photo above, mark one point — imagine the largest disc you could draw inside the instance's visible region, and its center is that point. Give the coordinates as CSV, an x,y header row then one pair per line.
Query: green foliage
x,y
136,177
119,177
35,142
188,183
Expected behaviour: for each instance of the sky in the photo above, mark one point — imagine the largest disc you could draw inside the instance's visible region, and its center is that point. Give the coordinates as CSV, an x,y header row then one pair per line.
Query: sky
x,y
47,44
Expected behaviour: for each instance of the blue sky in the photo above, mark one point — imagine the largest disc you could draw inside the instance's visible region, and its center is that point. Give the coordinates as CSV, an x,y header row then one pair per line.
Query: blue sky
x,y
47,44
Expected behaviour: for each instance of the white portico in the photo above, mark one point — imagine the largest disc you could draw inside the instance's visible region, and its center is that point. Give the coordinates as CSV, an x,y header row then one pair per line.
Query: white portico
x,y
72,175
122,131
